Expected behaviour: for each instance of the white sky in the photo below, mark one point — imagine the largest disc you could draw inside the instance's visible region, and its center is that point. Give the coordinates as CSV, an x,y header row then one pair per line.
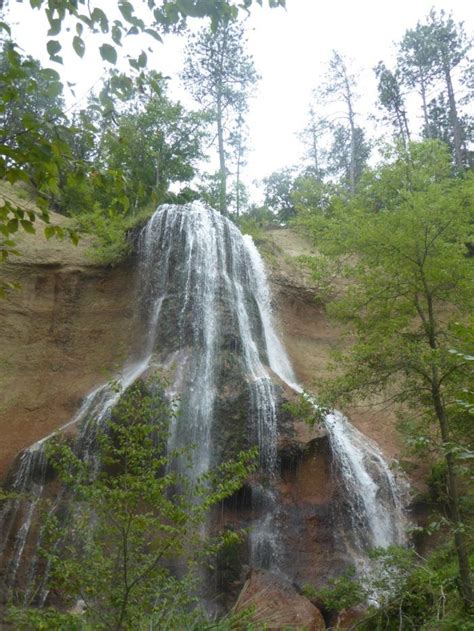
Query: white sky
x,y
290,49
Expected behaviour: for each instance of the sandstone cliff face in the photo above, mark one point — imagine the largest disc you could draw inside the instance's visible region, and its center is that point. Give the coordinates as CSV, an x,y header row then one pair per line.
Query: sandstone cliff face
x,y
72,324
65,330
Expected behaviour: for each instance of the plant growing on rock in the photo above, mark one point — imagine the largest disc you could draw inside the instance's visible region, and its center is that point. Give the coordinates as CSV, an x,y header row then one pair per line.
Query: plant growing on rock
x,y
128,552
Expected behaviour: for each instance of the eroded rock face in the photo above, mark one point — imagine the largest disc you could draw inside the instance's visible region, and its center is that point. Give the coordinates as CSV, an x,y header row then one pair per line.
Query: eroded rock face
x,y
309,516
310,336
275,604
74,322
67,329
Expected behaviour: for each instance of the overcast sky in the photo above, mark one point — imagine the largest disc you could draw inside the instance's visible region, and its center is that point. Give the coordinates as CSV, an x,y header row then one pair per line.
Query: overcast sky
x,y
290,48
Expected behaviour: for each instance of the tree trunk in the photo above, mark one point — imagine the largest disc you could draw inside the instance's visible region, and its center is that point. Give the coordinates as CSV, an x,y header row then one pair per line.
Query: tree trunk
x,y
353,143
237,188
353,150
405,125
315,153
425,105
220,129
453,115
222,168
465,586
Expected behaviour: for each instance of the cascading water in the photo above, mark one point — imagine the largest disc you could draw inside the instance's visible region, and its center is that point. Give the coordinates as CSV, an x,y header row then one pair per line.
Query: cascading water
x,y
372,493
208,325
196,268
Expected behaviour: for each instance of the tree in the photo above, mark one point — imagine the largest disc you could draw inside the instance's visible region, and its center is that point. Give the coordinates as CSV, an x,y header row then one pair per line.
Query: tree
x,y
415,60
412,284
239,148
348,155
311,137
36,95
450,46
340,87
155,143
220,76
391,100
440,127
128,526
37,149
278,188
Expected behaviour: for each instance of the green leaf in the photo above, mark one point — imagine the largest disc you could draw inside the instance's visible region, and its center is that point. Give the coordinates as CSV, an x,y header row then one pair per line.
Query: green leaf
x,y
55,27
154,34
49,74
54,89
27,226
4,27
99,16
49,232
108,53
142,59
78,45
126,9
12,226
117,34
53,47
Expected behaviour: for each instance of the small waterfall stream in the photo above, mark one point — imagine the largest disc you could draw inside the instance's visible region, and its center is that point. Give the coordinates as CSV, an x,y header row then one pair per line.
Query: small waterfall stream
x,y
372,493
206,307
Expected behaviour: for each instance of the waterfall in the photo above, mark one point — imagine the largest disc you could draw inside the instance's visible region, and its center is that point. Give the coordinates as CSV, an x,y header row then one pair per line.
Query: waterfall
x,y
196,268
205,305
376,509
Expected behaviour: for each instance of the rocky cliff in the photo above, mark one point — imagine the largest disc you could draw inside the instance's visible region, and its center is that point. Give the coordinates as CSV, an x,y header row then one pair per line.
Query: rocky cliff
x,y
67,328
71,325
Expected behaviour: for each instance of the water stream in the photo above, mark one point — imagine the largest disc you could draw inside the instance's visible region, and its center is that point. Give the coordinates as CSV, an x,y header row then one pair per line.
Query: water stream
x,y
372,493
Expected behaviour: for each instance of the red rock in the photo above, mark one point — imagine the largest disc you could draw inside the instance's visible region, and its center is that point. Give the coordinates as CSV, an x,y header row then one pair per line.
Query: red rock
x,y
276,604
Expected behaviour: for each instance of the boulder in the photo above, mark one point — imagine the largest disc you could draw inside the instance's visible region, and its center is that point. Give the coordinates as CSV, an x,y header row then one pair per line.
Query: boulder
x,y
272,601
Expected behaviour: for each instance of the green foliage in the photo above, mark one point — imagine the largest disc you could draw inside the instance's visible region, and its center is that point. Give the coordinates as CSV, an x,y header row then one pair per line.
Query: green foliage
x,y
406,591
36,148
410,285
155,143
392,101
343,592
131,523
111,232
428,53
305,410
248,225
416,593
278,193
323,271
33,144
309,192
348,155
